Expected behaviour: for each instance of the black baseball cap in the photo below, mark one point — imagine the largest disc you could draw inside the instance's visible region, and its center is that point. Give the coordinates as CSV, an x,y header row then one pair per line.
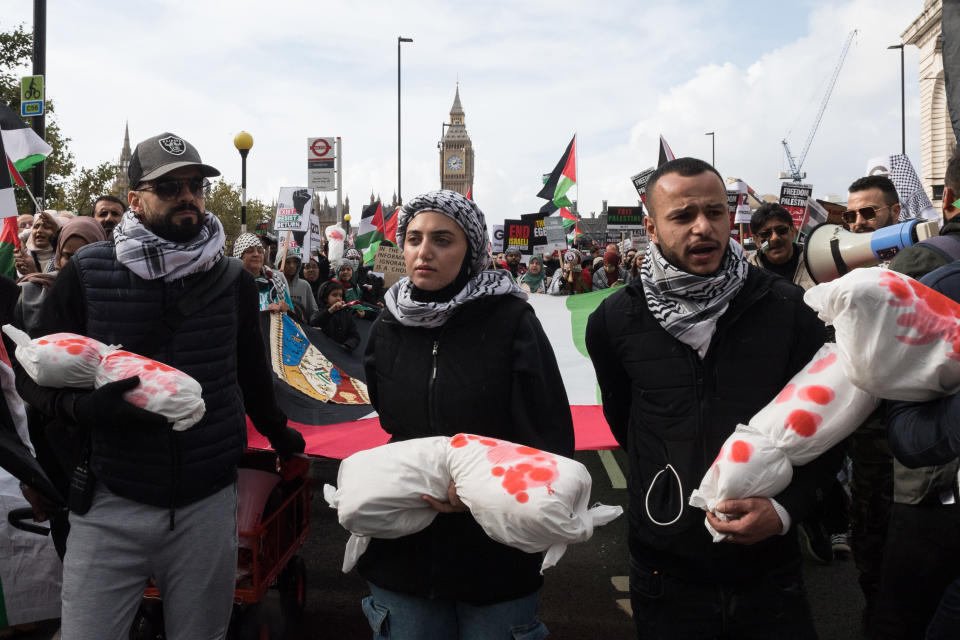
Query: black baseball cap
x,y
159,155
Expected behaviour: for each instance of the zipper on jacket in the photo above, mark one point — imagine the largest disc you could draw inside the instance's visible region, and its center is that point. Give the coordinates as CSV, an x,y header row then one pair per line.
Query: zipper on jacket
x,y
433,378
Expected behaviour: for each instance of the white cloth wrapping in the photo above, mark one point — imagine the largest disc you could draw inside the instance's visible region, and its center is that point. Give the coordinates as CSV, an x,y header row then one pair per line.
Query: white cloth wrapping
x,y
58,360
898,339
68,360
525,498
379,492
522,497
817,409
162,389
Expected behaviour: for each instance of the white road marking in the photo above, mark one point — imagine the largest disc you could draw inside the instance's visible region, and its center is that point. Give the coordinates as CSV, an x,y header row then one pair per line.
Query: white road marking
x,y
617,479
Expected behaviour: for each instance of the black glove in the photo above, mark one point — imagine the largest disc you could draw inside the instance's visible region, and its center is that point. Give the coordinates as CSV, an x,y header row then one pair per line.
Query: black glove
x,y
287,441
106,407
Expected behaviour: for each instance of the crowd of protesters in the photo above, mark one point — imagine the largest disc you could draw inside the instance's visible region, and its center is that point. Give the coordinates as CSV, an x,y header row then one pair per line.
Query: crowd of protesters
x,y
667,347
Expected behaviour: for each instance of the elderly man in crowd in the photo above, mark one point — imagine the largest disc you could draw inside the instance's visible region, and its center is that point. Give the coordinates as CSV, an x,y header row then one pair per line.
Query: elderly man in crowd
x,y
163,503
675,381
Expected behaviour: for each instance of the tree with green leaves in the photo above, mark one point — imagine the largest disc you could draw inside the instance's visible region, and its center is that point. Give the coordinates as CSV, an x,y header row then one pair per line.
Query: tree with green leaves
x,y
224,202
16,54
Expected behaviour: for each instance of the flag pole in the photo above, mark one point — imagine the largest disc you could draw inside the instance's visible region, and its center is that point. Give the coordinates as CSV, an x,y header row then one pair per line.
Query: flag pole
x,y
32,199
19,181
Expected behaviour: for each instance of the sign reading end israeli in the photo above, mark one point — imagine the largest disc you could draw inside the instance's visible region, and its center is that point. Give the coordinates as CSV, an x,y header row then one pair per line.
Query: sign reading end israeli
x,y
321,153
31,96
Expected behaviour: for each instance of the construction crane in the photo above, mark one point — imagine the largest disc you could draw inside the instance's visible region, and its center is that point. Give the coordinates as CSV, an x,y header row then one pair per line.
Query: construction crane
x,y
797,163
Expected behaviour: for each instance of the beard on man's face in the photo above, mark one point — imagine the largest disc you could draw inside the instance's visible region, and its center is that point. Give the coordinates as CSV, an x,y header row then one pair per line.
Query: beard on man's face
x,y
180,230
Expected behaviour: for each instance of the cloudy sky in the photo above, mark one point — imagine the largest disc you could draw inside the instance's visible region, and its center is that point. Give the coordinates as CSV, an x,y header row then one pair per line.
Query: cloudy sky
x,y
532,73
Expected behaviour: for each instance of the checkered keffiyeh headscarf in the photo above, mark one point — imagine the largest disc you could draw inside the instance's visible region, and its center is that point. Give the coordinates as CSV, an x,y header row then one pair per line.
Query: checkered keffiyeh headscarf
x,y
244,241
686,305
151,257
468,217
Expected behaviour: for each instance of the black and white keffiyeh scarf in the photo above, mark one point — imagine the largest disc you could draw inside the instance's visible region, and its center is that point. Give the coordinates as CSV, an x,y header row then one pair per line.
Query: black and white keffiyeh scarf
x,y
688,306
399,298
151,257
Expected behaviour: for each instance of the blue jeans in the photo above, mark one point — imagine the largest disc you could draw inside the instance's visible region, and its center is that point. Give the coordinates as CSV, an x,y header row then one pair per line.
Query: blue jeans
x,y
399,616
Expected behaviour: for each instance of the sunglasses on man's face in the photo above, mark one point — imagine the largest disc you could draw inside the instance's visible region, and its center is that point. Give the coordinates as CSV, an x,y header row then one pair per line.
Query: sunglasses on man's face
x,y
867,213
170,188
780,230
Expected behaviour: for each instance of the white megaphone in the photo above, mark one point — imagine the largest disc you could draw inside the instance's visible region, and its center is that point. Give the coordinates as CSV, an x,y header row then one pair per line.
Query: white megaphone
x,y
832,251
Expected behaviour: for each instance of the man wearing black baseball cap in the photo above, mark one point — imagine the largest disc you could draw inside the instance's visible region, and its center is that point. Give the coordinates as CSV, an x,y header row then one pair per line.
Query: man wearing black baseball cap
x,y
163,502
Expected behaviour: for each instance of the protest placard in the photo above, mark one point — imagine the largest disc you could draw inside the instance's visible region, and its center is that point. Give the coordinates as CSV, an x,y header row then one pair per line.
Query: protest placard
x,y
497,245
519,234
621,218
793,198
389,262
640,183
556,235
315,245
538,231
294,206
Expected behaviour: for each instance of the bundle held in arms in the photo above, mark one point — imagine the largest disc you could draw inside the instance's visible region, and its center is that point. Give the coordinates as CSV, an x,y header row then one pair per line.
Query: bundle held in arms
x,y
68,360
881,317
522,497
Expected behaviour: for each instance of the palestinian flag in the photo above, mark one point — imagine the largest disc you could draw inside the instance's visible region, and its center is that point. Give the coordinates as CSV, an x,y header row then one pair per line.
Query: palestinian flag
x,y
8,213
370,233
569,219
666,153
388,225
577,232
337,428
470,193
23,146
563,176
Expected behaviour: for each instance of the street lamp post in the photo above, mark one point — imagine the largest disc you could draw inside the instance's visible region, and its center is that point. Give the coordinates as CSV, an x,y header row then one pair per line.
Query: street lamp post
x,y
243,141
903,102
713,148
39,69
399,40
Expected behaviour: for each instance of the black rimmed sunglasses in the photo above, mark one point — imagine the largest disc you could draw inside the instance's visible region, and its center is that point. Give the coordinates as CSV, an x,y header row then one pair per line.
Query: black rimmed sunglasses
x,y
169,188
780,230
867,213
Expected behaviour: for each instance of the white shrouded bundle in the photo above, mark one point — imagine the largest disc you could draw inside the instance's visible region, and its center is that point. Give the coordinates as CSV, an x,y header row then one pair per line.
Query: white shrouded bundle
x,y
898,339
162,389
68,360
528,499
59,360
817,409
379,492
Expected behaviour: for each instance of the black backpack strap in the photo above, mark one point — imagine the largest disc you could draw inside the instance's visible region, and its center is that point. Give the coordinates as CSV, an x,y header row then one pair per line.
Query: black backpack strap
x,y
948,246
208,287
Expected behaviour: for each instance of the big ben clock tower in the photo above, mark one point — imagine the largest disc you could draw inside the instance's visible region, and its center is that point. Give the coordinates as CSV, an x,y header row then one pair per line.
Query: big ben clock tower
x,y
456,152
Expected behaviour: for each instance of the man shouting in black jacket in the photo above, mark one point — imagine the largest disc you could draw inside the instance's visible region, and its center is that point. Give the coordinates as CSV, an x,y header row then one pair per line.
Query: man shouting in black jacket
x,y
698,343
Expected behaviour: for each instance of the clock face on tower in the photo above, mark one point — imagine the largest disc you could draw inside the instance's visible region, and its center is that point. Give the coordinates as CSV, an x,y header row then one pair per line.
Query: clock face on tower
x,y
454,163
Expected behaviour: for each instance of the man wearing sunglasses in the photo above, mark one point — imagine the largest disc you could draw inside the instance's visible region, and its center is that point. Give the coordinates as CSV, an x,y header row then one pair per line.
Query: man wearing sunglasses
x,y
164,502
772,226
872,203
